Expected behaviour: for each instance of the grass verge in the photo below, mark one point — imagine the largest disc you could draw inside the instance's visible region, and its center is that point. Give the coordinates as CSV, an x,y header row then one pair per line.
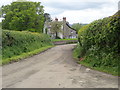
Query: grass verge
x,y
23,55
105,69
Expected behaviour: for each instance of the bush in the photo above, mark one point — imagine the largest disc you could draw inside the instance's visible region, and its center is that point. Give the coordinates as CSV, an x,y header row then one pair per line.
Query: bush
x,y
16,42
99,42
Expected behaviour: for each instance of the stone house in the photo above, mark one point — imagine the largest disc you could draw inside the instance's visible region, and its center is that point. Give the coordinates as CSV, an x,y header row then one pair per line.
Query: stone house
x,y
66,30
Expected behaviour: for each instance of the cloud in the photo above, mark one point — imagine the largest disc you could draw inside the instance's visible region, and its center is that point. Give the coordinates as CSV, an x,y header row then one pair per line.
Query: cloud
x,y
86,16
75,5
84,11
53,11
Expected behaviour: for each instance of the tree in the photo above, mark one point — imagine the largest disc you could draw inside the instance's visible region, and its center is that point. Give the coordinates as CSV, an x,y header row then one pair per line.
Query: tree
x,y
47,22
47,17
23,16
56,28
0,12
77,26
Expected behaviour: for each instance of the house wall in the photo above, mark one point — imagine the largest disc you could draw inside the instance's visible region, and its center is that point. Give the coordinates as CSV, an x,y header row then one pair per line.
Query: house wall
x,y
66,30
60,35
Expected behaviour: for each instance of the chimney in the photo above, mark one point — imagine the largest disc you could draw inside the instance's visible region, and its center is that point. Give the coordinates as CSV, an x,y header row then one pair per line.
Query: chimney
x,y
56,19
64,18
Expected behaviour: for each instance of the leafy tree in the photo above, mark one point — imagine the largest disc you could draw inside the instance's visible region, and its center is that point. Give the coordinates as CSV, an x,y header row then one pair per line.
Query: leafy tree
x,y
0,12
56,28
47,17
77,26
23,16
48,20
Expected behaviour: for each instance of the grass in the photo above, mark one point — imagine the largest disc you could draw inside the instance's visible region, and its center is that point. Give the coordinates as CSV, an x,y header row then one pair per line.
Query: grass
x,y
64,41
24,55
54,40
105,69
76,52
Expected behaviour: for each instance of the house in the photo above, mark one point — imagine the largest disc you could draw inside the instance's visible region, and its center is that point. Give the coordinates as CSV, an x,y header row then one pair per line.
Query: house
x,y
66,30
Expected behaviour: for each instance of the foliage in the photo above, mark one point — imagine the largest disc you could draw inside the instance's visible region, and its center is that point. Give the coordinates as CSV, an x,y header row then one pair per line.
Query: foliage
x,y
76,51
48,20
47,17
16,43
77,26
24,55
99,42
0,43
0,12
22,16
56,28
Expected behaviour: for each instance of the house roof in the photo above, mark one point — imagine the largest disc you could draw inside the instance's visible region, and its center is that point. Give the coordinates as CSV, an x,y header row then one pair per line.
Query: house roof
x,y
70,26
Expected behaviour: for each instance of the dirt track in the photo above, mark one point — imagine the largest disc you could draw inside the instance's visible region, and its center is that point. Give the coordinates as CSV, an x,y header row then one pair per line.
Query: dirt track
x,y
54,68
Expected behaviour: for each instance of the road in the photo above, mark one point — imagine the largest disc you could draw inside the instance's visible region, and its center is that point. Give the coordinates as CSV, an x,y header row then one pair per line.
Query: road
x,y
54,68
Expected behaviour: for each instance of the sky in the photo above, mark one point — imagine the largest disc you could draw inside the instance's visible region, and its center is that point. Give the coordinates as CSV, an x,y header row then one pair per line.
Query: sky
x,y
77,11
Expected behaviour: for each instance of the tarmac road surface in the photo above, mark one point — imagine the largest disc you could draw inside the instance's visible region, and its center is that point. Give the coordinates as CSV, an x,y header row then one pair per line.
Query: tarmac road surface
x,y
54,68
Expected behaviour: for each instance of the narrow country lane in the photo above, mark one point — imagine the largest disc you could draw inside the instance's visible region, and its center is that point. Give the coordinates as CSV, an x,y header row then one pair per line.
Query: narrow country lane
x,y
54,68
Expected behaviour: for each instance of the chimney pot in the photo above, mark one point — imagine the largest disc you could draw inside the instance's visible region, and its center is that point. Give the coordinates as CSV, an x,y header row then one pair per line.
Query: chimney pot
x,y
56,19
64,18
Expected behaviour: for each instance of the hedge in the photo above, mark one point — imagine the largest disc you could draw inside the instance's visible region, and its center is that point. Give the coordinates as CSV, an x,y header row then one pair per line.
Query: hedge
x,y
15,43
100,43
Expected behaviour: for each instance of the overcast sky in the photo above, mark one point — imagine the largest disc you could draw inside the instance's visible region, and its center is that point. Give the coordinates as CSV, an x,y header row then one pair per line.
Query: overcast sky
x,y
77,11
